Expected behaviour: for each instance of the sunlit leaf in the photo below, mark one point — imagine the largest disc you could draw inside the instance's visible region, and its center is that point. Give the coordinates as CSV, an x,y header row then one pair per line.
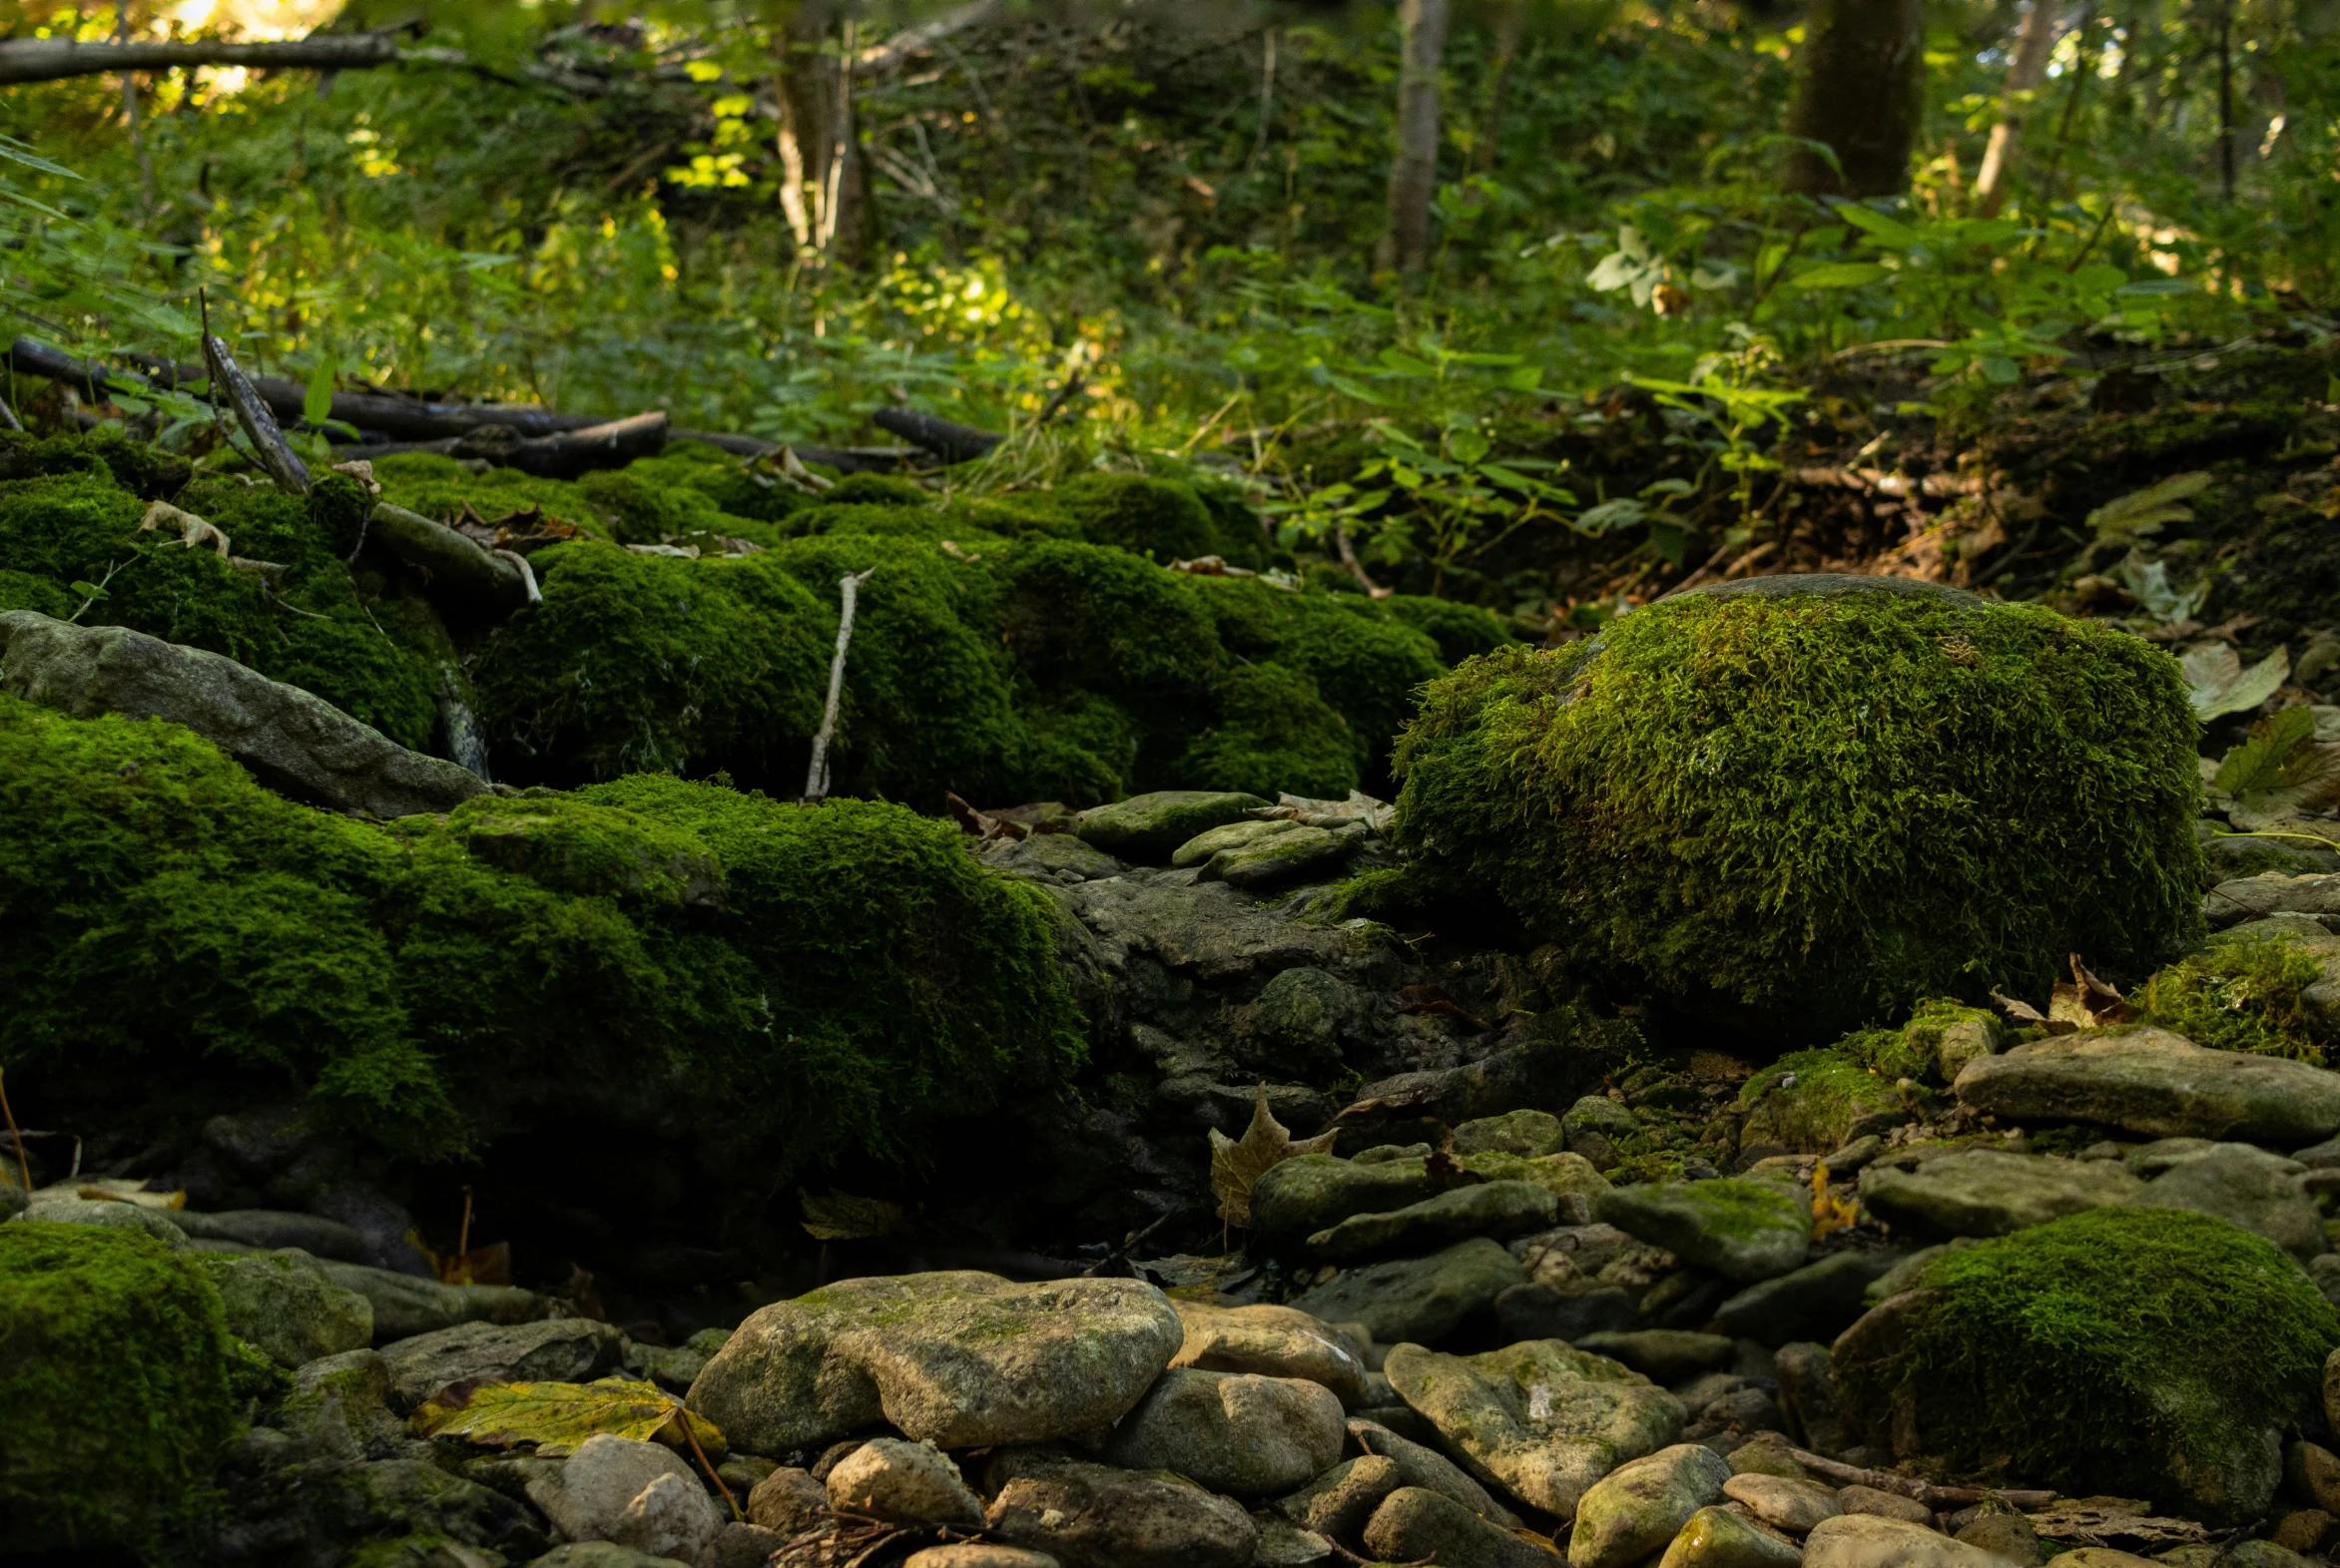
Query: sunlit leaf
x,y
555,1418
2218,683
1839,275
2144,511
316,401
1881,228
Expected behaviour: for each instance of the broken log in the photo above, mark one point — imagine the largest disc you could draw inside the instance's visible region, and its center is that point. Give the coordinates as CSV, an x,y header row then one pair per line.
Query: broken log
x,y
946,438
454,564
25,59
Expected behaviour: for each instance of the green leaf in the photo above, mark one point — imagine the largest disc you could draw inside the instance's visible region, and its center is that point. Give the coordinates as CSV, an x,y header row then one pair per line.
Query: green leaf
x,y
1839,275
87,590
1610,516
2276,759
1466,446
2000,369
2144,511
1396,361
557,1417
1524,379
1901,236
1672,539
317,404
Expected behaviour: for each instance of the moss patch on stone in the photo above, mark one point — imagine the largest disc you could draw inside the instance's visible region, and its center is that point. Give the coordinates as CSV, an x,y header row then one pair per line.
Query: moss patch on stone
x,y
179,940
118,1389
2246,993
1820,808
2144,1352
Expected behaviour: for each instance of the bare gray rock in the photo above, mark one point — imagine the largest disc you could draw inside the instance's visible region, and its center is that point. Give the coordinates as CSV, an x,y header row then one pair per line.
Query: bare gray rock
x,y
1096,1516
293,741
2153,1082
908,1483
1233,1432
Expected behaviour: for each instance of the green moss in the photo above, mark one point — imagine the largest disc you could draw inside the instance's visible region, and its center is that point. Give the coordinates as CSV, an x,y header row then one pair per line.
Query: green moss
x,y
1820,808
1159,519
876,490
441,487
2100,1353
309,626
636,662
2244,994
1921,1037
1833,1090
1275,732
174,939
1461,631
144,471
117,1398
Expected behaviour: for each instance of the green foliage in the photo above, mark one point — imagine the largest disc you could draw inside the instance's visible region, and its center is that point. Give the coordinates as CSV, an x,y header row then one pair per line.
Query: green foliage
x,y
178,938
1823,808
117,1395
2245,993
2099,1353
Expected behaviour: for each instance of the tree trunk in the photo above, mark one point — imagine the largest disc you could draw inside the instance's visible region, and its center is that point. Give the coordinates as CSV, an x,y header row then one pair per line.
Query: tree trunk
x,y
1414,168
1859,95
820,148
1511,27
2034,44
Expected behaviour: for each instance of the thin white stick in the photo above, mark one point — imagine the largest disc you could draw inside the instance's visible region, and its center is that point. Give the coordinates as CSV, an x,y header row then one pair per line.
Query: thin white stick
x,y
817,776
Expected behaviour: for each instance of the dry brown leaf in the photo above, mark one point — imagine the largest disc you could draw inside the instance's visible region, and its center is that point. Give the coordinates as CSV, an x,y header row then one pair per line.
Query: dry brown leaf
x,y
1238,1162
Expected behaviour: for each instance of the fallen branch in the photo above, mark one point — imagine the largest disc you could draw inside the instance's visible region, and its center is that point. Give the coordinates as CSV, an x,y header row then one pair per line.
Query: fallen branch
x,y
916,40
489,581
817,775
25,59
1927,1492
290,473
946,438
1878,482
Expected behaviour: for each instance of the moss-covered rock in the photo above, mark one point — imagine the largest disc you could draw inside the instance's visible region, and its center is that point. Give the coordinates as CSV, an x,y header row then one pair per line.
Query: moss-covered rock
x,y
178,938
2248,991
1822,802
119,1388
1152,827
2136,1351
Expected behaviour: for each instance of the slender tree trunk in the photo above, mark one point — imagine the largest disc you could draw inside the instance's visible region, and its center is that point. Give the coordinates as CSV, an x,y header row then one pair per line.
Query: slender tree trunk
x,y
1414,168
827,199
1511,25
1858,94
2227,98
2033,46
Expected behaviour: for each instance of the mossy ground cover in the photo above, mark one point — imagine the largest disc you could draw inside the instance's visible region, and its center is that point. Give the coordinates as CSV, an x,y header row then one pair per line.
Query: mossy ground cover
x,y
119,1391
2244,993
174,939
1819,808
2107,1352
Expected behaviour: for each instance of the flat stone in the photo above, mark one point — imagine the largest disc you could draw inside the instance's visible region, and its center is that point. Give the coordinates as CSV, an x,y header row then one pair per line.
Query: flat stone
x,y
1147,827
1570,1178
1283,1544
1419,1300
1665,1356
2006,1536
1096,1516
1542,1419
738,1545
1273,1341
1768,1453
1883,1504
270,1229
636,1495
1416,1525
1817,1301
1871,1541
564,1350
1640,1506
1742,1230
2157,1083
1988,1191
287,1308
405,1305
1338,1503
1050,857
290,741
1527,1134
1808,1395
1281,859
978,1554
2270,894
1295,1199
1234,1433
1421,1465
1782,1502
1235,835
107,1214
1543,1311
2244,1186
1719,1538
906,1483
964,1360
1500,1210
602,1554
785,1501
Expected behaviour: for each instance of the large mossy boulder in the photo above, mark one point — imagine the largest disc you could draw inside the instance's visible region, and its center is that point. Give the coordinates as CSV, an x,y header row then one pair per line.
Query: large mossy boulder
x,y
1810,805
120,1387
2141,1352
768,982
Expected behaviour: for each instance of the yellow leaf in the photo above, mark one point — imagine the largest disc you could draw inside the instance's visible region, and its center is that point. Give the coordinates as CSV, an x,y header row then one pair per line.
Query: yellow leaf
x,y
556,1417
1829,1214
1238,1162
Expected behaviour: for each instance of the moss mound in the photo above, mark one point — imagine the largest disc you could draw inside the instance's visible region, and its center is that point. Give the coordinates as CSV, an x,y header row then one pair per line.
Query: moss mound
x,y
2144,1352
177,939
2244,993
117,1388
1819,806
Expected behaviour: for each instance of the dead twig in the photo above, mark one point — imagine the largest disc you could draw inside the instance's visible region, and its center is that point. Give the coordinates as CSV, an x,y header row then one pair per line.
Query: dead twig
x,y
290,473
817,775
24,1170
1927,1492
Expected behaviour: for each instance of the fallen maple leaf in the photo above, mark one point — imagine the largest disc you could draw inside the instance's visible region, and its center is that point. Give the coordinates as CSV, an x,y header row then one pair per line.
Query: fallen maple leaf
x,y
556,1417
1238,1162
2085,1002
1829,1214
